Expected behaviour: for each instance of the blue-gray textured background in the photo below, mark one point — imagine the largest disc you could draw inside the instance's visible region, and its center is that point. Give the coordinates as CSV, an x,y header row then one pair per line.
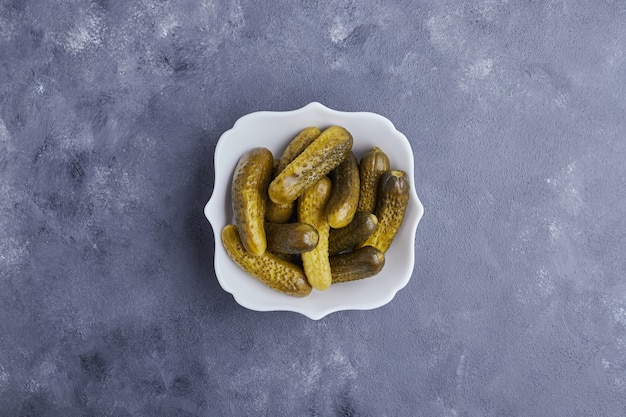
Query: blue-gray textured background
x,y
109,115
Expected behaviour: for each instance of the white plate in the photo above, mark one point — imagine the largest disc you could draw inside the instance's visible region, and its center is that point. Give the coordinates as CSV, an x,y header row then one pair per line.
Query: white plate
x,y
274,130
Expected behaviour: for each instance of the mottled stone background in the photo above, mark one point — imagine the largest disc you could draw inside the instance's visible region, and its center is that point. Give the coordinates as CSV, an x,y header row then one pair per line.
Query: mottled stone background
x,y
109,115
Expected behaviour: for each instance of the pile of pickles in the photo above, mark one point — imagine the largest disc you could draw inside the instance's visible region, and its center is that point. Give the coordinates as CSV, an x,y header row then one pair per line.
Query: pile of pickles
x,y
317,215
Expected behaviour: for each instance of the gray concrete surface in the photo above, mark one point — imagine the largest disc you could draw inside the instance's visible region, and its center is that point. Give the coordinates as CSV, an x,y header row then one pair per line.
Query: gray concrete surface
x,y
109,115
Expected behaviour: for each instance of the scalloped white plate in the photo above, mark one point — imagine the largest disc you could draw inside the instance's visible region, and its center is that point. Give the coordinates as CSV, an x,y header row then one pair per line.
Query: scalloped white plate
x,y
274,130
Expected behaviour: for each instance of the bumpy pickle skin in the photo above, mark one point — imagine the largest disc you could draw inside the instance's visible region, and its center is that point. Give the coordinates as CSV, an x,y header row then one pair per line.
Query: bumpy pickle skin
x,y
282,213
392,202
276,273
323,155
249,193
344,199
360,228
371,167
311,207
358,264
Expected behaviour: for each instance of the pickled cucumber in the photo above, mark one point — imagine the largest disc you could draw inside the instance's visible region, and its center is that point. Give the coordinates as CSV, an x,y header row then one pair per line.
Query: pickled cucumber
x,y
276,273
249,193
323,155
